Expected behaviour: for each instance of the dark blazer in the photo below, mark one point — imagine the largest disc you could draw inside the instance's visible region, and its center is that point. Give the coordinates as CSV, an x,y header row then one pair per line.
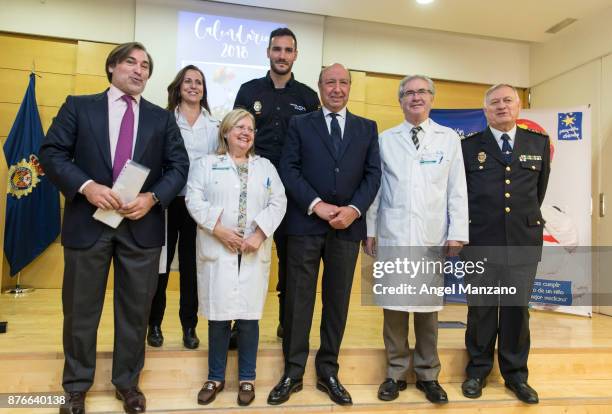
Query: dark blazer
x,y
504,200
310,168
77,149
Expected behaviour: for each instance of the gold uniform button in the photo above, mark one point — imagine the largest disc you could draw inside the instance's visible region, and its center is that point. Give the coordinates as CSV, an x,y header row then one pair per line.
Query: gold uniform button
x,y
507,181
507,209
538,222
507,195
533,167
507,168
480,167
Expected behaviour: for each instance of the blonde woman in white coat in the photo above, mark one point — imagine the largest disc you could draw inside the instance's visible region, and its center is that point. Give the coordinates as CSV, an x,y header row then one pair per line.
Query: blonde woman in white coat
x,y
237,199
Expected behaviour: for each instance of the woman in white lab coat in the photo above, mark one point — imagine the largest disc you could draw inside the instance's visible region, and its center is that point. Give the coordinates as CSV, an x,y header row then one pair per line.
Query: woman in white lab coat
x,y
237,199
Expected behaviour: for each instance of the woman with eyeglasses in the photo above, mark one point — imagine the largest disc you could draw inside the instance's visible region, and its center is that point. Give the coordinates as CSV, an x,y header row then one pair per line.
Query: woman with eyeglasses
x,y
187,99
237,199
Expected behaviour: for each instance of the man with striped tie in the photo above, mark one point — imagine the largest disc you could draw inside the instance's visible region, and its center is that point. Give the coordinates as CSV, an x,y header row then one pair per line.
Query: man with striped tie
x,y
420,214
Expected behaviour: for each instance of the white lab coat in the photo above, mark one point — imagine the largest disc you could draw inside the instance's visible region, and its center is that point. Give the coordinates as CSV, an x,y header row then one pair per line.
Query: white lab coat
x,y
213,190
422,200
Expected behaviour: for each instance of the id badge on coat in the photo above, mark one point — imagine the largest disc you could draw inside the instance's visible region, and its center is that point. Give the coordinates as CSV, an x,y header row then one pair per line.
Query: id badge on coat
x,y
432,157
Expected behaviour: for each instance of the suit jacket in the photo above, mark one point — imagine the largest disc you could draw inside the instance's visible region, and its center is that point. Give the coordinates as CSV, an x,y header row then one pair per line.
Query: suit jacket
x,y
310,168
504,200
77,149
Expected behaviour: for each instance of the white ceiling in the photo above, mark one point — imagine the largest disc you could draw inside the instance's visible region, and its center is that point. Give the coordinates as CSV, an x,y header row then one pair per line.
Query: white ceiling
x,y
524,20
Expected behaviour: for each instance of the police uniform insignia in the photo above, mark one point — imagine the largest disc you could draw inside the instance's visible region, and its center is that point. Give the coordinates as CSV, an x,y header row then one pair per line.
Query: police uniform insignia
x,y
482,157
522,158
257,106
24,176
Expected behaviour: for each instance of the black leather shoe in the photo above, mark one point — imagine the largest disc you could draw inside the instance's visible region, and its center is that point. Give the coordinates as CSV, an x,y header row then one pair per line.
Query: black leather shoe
x,y
155,337
190,338
433,391
283,390
389,389
233,343
337,393
523,392
472,387
75,403
280,331
134,401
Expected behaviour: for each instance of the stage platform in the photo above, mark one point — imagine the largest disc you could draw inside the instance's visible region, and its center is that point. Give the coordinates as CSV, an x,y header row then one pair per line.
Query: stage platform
x,y
570,363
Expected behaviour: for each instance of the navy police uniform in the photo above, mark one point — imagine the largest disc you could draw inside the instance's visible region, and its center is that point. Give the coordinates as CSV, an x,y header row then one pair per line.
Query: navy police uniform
x,y
506,228
272,109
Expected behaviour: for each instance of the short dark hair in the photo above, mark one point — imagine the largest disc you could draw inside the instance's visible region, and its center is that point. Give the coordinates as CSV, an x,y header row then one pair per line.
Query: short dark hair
x,y
282,31
121,53
174,89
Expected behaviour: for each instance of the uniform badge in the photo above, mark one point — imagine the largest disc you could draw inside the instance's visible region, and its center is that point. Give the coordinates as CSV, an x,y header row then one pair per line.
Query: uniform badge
x,y
257,106
482,157
522,158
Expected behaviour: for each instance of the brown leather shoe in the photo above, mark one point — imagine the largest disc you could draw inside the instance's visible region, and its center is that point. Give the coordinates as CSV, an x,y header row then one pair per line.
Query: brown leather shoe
x,y
209,392
75,403
133,399
246,393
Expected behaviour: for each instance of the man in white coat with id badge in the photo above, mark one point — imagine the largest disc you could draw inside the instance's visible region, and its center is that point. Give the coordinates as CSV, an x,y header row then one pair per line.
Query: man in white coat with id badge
x,y
419,217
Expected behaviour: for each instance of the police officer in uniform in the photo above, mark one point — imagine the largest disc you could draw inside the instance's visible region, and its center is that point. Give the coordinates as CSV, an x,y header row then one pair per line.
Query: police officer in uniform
x,y
507,170
273,100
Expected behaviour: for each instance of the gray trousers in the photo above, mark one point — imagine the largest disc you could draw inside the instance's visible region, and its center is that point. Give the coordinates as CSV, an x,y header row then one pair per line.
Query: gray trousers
x,y
426,363
85,277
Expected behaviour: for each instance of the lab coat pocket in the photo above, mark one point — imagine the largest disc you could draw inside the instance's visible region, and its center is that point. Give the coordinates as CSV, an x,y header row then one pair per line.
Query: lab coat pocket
x,y
390,223
207,246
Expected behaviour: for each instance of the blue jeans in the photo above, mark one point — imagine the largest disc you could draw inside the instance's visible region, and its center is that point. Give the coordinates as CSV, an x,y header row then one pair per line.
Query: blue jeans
x,y
218,343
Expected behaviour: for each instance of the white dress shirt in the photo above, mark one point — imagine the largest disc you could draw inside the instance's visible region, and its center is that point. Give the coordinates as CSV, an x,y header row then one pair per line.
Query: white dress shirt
x,y
497,134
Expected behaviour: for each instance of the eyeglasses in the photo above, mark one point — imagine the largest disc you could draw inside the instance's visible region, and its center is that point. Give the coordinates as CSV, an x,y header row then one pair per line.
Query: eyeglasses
x,y
243,128
412,94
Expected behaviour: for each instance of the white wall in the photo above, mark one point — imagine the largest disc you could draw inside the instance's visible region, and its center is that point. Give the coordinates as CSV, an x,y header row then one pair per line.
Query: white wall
x,y
400,50
576,45
110,21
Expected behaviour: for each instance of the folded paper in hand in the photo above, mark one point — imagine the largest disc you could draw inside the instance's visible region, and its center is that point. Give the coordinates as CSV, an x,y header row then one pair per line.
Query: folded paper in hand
x,y
128,186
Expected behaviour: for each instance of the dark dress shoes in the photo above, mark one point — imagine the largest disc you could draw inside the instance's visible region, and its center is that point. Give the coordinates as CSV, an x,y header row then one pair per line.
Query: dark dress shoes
x,y
337,393
523,392
472,387
433,391
390,388
246,393
190,338
283,390
75,403
133,399
154,336
233,343
209,392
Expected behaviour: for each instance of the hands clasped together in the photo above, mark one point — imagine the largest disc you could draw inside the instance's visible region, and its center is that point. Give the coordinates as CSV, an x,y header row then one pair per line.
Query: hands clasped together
x,y
337,217
105,198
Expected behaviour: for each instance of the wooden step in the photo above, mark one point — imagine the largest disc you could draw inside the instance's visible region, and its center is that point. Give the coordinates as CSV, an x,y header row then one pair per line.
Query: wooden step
x,y
38,372
589,396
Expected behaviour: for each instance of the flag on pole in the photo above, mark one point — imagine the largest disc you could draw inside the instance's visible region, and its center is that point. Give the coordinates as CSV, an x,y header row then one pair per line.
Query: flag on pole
x,y
32,202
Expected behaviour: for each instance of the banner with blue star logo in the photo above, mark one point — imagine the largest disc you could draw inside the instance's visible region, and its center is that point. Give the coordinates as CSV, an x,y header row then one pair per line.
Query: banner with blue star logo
x,y
569,126
32,202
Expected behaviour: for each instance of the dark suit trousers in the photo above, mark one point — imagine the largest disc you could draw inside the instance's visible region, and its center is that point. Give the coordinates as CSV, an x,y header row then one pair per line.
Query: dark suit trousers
x,y
85,277
280,242
181,228
304,254
504,318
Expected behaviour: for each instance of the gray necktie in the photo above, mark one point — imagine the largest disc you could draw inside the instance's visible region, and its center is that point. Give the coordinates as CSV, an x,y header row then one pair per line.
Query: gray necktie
x,y
415,139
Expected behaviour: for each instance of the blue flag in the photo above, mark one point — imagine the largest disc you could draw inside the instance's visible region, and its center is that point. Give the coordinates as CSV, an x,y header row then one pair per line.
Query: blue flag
x,y
463,121
32,202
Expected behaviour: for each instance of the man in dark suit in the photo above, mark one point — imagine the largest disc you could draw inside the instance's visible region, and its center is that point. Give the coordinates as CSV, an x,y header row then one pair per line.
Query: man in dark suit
x,y
507,170
330,167
86,147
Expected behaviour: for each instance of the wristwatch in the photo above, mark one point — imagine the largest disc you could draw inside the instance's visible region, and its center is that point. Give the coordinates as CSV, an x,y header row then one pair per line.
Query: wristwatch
x,y
154,197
